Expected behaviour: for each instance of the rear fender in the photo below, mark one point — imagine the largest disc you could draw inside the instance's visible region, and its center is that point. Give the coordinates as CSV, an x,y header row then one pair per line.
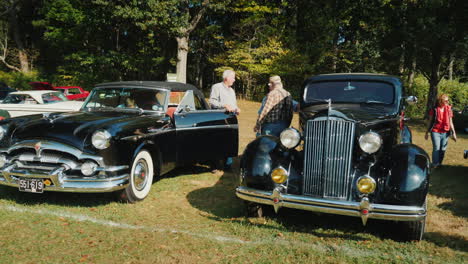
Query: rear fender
x,y
408,180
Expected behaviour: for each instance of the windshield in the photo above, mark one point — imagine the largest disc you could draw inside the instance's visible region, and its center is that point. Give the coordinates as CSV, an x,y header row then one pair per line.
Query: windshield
x,y
350,92
127,98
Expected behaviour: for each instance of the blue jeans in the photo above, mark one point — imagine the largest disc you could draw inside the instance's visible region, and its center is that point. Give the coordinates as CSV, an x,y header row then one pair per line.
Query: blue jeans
x,y
439,145
275,128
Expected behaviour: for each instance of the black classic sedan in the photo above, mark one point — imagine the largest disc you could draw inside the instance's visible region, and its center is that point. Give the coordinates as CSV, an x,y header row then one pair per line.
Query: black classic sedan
x,y
126,134
353,155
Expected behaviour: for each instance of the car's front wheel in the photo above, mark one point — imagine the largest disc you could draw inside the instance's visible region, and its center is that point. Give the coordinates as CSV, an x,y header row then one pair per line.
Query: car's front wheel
x,y
141,178
415,229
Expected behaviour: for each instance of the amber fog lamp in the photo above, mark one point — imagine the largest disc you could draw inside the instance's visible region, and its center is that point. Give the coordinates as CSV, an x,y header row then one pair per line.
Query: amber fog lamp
x,y
366,184
290,138
47,182
279,175
370,142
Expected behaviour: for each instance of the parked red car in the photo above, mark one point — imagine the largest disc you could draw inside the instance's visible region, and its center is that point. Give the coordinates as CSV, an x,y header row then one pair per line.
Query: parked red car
x,y
71,92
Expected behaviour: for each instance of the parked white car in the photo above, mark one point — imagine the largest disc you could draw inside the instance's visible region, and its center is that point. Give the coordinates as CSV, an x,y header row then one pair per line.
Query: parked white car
x,y
37,102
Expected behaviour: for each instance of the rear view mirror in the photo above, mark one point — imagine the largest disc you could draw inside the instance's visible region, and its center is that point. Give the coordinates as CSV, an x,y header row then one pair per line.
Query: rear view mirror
x,y
411,99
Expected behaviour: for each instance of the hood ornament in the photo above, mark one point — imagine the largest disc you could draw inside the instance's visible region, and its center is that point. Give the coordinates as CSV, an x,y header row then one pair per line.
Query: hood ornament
x,y
38,149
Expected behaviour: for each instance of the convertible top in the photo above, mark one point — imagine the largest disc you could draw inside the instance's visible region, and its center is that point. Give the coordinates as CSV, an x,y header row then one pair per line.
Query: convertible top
x,y
172,86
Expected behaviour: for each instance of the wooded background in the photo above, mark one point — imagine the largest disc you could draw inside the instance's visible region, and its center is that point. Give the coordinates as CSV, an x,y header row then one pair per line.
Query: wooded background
x,y
73,42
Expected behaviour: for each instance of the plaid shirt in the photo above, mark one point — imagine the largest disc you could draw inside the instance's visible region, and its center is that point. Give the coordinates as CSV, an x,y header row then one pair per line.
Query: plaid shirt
x,y
278,107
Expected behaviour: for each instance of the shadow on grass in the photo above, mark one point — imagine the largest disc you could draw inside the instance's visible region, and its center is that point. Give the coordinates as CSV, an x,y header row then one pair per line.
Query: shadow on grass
x,y
443,240
222,204
451,182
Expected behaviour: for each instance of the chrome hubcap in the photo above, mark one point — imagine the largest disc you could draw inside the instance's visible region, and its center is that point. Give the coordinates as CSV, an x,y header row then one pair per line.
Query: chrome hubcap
x,y
140,175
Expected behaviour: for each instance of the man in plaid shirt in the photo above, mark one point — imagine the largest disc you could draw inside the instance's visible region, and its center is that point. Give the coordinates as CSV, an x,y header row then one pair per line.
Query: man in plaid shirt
x,y
277,112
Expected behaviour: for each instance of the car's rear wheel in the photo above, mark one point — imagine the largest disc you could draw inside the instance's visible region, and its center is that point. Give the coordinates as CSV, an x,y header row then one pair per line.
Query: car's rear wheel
x,y
141,178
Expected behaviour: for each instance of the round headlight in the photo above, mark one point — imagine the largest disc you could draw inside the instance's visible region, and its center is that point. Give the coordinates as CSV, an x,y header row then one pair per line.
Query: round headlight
x,y
88,168
290,138
370,142
101,139
279,175
2,132
366,184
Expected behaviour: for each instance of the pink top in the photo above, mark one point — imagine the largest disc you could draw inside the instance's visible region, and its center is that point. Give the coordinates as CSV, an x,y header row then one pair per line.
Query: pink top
x,y
442,124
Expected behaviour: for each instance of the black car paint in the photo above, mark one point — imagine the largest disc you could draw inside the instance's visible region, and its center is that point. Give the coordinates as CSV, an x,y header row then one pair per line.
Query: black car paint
x,y
400,168
168,139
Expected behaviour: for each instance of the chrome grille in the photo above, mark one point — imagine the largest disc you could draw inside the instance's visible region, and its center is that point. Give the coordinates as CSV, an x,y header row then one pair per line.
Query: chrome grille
x,y
327,152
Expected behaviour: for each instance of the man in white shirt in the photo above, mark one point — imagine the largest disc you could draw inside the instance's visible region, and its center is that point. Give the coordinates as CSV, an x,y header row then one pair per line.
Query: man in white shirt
x,y
223,95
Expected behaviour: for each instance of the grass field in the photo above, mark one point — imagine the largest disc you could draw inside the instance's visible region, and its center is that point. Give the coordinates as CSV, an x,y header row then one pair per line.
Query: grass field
x,y
193,216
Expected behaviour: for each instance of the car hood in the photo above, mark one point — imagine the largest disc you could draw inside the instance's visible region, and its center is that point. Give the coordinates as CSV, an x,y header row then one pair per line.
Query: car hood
x,y
363,114
76,128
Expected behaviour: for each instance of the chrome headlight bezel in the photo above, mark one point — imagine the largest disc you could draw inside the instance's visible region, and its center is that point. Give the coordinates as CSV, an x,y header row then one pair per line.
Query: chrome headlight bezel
x,y
290,138
370,142
101,139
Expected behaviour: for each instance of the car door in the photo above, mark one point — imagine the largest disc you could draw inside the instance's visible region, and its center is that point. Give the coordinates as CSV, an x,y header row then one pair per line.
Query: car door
x,y
204,134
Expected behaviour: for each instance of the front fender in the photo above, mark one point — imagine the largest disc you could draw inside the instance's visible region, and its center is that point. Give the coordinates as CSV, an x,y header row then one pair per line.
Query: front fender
x,y
260,157
408,180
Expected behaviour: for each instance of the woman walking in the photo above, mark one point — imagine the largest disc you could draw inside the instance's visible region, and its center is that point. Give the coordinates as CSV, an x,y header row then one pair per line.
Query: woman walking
x,y
440,127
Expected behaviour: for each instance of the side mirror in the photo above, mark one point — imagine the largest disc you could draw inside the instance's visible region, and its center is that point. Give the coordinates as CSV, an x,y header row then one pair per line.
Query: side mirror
x,y
411,99
187,108
465,155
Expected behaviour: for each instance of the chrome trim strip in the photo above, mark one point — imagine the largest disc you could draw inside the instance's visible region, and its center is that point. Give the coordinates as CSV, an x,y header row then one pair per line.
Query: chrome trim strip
x,y
376,211
235,126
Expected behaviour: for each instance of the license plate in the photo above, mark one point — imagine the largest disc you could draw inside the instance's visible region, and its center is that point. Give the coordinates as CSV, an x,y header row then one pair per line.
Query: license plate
x,y
31,185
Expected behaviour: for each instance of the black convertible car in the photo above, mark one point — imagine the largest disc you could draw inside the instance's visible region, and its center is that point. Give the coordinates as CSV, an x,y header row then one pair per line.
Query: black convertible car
x,y
126,134
356,156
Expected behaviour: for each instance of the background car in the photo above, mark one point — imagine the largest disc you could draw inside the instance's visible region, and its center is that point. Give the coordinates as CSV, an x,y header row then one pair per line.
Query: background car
x,y
127,134
353,156
460,119
71,92
5,90
37,102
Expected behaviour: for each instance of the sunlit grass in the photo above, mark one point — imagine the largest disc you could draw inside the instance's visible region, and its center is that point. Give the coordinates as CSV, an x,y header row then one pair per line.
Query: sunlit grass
x,y
193,216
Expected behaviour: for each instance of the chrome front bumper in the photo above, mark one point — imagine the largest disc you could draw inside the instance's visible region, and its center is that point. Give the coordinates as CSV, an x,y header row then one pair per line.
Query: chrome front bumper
x,y
66,184
58,170
363,209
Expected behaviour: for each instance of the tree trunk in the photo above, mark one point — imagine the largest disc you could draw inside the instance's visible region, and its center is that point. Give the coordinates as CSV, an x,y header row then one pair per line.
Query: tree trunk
x,y
182,52
22,55
433,87
401,64
450,68
412,72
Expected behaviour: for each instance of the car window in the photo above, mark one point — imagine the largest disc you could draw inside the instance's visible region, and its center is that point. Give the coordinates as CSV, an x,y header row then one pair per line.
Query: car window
x,y
144,98
19,99
350,92
187,102
55,97
64,91
74,91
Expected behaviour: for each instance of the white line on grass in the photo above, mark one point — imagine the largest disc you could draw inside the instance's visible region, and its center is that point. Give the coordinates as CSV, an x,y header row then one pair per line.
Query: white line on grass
x,y
84,218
